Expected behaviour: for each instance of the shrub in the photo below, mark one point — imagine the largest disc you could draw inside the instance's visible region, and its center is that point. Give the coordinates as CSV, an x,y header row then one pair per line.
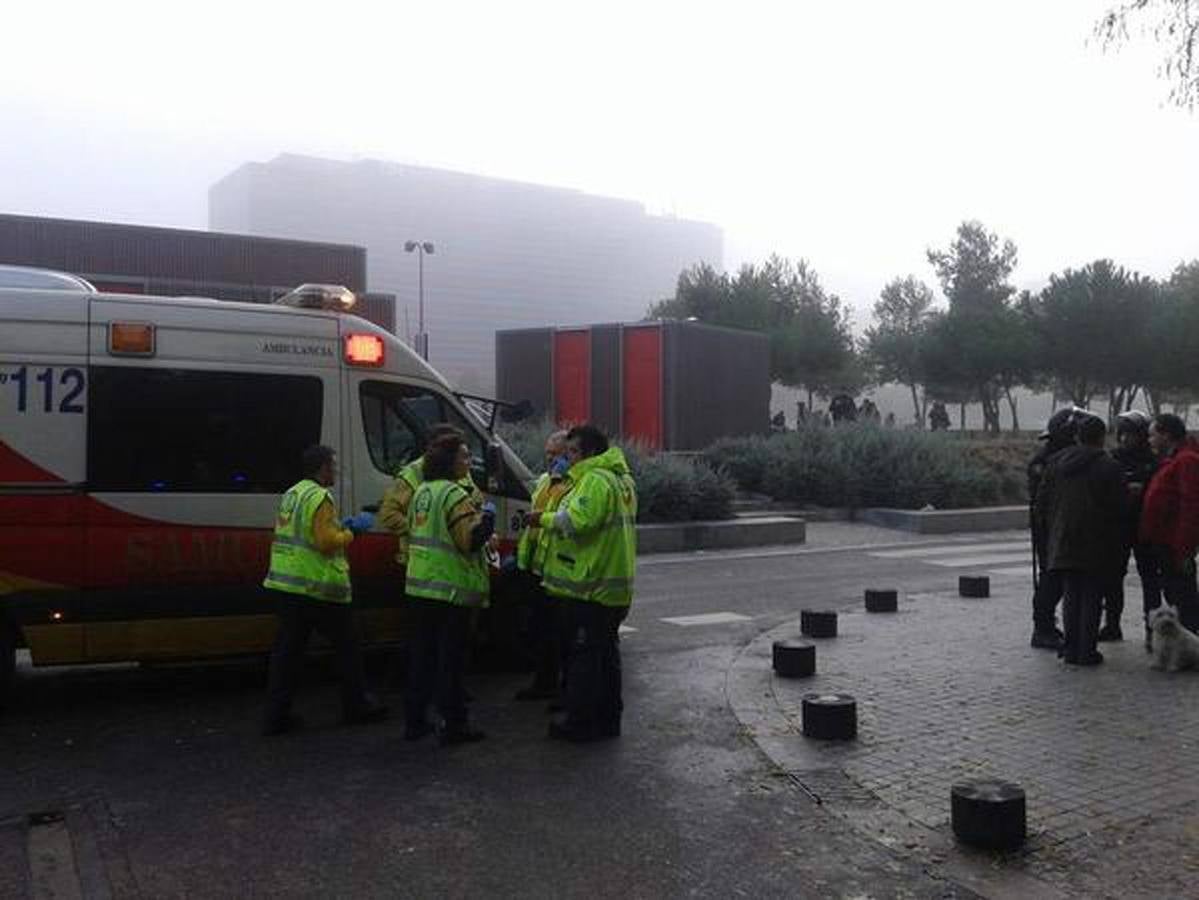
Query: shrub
x,y
864,465
669,488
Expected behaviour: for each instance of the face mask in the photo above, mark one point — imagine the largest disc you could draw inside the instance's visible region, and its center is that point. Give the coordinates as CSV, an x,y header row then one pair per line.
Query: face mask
x,y
560,465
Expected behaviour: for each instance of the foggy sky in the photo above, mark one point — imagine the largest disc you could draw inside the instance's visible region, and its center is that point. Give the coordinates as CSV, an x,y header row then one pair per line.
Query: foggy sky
x,y
855,135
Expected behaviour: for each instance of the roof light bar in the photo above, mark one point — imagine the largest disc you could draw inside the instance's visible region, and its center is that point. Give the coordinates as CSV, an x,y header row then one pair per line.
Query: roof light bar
x,y
330,297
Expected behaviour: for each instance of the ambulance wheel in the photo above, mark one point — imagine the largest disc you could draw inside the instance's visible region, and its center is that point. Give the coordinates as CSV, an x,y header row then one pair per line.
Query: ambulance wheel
x,y
8,661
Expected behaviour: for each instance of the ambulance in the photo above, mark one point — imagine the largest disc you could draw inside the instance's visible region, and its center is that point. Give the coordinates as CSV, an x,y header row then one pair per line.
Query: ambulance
x,y
144,445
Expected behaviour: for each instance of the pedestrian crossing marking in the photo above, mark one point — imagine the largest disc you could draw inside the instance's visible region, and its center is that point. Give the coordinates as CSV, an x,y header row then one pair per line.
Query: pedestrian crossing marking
x,y
993,559
716,618
626,629
919,552
1025,569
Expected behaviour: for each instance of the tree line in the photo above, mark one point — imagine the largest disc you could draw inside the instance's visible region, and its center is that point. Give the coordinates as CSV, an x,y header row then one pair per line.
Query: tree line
x,y
1098,332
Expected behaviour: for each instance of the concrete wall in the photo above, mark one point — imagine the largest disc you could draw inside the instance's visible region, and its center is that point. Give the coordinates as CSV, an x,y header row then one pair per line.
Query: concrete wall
x,y
508,254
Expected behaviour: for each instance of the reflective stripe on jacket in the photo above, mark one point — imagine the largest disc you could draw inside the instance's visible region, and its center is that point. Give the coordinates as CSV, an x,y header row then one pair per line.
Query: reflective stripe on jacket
x,y
297,566
437,568
593,549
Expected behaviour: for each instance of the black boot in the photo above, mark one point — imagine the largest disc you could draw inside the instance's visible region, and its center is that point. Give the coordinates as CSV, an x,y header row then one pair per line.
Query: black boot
x,y
1046,639
1111,632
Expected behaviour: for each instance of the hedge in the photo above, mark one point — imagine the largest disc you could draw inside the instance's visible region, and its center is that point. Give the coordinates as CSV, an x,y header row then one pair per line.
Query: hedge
x,y
864,465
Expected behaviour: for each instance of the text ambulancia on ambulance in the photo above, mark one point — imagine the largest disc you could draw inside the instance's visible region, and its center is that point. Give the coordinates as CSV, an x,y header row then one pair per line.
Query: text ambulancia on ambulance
x,y
144,446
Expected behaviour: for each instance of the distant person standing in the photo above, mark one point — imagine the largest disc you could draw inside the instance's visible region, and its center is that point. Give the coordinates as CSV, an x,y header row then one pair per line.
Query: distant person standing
x,y
842,409
1082,499
1138,462
309,579
938,417
1170,515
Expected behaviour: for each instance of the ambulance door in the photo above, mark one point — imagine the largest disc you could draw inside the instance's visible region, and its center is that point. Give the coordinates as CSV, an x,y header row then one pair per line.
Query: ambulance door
x,y
43,437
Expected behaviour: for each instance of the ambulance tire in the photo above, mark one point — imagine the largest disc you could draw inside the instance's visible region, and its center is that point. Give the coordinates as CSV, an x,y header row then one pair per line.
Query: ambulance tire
x,y
8,661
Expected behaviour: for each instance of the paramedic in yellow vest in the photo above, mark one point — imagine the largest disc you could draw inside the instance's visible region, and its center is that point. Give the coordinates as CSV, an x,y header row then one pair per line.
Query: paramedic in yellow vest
x,y
546,643
393,510
309,579
446,581
589,566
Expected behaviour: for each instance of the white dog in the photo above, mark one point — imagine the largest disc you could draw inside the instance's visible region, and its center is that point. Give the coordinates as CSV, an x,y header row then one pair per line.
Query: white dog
x,y
1174,647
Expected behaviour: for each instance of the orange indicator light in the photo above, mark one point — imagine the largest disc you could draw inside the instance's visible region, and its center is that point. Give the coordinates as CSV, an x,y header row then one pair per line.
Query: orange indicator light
x,y
131,339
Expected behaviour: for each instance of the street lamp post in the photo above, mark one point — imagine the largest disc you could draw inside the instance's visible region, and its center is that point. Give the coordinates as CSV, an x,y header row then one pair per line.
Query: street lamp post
x,y
422,339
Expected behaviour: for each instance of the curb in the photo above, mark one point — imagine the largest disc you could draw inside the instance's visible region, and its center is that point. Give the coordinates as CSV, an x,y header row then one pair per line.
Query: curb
x,y
749,692
755,531
946,521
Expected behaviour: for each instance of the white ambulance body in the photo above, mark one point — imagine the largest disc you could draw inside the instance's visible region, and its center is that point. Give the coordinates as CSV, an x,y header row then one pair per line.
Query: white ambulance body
x,y
144,443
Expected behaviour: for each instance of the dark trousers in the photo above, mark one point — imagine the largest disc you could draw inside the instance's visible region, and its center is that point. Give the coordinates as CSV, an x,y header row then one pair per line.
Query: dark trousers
x,y
1151,592
1081,601
1178,584
1045,599
298,617
593,678
547,637
437,662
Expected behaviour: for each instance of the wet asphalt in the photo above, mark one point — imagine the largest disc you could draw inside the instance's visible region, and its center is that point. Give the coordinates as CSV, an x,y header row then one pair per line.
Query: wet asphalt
x,y
167,790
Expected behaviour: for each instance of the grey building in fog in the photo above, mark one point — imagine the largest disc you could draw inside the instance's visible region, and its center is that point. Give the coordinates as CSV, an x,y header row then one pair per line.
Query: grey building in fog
x,y
508,254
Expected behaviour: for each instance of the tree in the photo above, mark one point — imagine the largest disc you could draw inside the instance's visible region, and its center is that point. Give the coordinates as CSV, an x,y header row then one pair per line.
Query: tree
x,y
892,344
1173,366
809,328
1174,23
977,343
1092,327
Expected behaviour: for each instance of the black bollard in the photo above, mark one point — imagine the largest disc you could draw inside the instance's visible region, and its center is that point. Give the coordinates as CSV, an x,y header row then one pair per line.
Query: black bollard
x,y
818,623
988,813
794,659
974,586
830,717
878,601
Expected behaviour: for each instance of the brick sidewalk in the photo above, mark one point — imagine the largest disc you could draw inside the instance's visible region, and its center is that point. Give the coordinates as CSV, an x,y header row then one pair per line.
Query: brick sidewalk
x,y
948,688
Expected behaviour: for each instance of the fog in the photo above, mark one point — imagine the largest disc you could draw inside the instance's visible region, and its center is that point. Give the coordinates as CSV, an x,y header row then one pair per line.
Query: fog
x,y
855,135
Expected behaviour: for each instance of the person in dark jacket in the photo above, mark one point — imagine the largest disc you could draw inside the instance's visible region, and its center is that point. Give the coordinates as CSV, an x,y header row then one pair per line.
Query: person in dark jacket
x,y
1047,585
1170,516
1082,501
1138,461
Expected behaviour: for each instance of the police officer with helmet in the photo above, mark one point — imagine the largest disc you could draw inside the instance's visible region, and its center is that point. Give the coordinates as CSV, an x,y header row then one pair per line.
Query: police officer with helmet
x,y
1138,462
1047,585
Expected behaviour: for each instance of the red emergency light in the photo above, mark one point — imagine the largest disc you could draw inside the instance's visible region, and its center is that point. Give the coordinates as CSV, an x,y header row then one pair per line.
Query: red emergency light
x,y
364,350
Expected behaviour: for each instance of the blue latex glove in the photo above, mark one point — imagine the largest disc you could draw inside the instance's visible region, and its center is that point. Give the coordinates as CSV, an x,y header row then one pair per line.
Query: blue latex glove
x,y
359,523
489,509
560,466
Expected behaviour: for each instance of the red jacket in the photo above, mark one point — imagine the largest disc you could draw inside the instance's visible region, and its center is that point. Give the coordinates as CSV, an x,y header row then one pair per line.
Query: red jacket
x,y
1170,512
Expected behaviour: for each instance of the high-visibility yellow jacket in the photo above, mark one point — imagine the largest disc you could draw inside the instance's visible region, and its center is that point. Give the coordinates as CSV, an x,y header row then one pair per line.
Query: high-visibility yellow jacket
x,y
308,553
393,511
593,548
441,565
535,541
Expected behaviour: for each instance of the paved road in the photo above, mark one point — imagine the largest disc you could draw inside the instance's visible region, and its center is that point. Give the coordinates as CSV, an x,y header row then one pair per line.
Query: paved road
x,y
165,789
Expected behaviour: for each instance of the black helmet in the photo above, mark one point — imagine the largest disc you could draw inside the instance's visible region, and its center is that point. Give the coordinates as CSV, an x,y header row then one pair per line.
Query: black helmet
x,y
1061,424
1133,421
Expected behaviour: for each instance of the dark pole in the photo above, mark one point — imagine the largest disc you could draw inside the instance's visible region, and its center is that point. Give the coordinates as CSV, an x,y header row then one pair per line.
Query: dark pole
x,y
424,343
